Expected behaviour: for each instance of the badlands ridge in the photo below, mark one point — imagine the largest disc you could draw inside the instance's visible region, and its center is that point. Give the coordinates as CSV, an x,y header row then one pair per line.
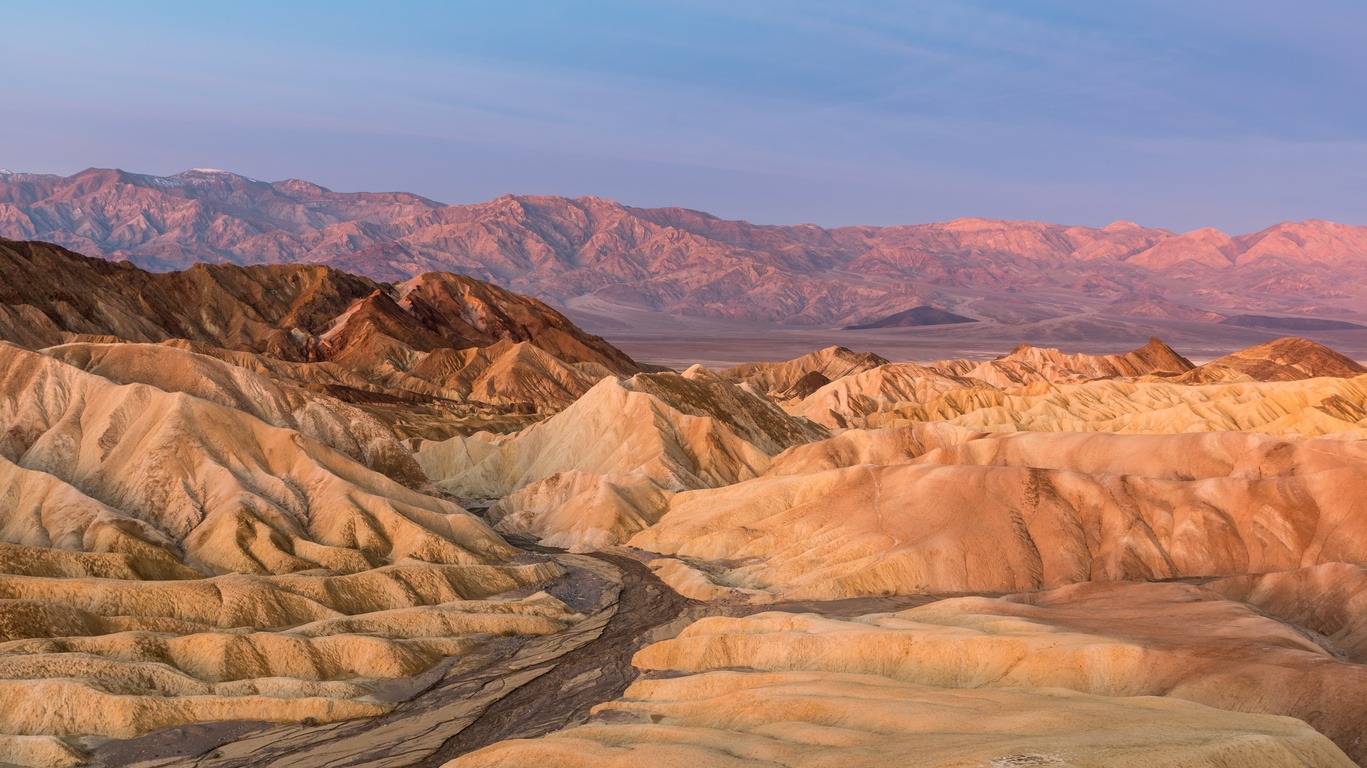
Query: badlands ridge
x,y
254,506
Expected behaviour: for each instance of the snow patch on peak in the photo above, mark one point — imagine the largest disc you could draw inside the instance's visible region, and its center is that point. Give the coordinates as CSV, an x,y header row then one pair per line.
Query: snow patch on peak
x,y
197,174
21,176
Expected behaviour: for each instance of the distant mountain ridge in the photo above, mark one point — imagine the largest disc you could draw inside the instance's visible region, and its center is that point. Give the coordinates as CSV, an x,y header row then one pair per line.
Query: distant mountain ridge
x,y
683,262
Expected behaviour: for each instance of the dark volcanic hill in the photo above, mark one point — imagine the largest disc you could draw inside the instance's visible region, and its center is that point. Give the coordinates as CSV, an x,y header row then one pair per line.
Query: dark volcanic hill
x,y
914,318
682,262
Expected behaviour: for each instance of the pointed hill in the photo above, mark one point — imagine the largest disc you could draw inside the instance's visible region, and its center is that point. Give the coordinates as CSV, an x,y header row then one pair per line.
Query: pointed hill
x,y
1286,359
778,379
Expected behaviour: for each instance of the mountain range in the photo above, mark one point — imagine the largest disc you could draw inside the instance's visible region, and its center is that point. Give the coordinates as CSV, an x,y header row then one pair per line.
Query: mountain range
x,y
592,255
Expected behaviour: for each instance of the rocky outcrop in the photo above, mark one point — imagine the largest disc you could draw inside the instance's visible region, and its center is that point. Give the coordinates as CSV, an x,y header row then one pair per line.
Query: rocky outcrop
x,y
292,312
1288,359
627,445
1044,390
1059,678
1028,511
780,379
446,347
183,543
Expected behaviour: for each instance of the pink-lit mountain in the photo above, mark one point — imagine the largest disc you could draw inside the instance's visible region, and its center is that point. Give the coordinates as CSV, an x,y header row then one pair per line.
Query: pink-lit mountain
x,y
592,251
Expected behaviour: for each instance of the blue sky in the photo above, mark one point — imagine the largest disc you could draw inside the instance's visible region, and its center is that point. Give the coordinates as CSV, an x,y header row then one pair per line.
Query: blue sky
x,y
1173,114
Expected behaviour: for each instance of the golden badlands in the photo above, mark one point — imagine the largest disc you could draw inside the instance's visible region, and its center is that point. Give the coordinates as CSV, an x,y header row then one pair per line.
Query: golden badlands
x,y
288,516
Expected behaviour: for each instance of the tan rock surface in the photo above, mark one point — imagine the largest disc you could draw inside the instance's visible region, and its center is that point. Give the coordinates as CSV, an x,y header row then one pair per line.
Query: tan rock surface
x,y
176,552
343,336
327,420
1307,408
1028,511
236,493
1329,600
1059,678
128,657
778,379
506,373
852,447
1288,359
601,469
1138,391
860,399
1027,364
1119,640
45,751
738,720
582,512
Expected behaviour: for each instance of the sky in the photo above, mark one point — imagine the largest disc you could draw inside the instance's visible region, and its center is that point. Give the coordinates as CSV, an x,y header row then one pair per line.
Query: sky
x,y
1172,113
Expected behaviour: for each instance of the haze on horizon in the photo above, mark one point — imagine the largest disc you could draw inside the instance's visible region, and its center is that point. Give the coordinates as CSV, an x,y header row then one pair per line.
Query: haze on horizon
x,y
1227,114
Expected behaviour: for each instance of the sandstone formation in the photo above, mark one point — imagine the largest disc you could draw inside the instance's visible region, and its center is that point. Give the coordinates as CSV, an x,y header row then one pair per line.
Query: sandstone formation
x,y
849,399
600,470
1059,678
243,492
1026,365
853,447
778,379
210,511
421,356
1288,359
292,312
201,552
266,396
858,399
1153,359
1026,511
738,720
1295,389
95,465
1329,600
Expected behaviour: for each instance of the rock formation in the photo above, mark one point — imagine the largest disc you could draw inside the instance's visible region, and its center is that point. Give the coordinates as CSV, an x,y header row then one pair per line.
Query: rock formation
x,y
201,552
1139,391
600,470
210,513
779,379
1288,359
1058,678
1027,511
280,493
444,346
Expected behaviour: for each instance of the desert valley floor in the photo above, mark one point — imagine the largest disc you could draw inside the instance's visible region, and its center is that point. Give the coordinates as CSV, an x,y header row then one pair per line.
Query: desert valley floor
x,y
284,515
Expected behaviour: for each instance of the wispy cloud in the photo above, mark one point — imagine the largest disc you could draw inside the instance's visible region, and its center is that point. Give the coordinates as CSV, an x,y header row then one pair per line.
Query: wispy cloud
x,y
1176,113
